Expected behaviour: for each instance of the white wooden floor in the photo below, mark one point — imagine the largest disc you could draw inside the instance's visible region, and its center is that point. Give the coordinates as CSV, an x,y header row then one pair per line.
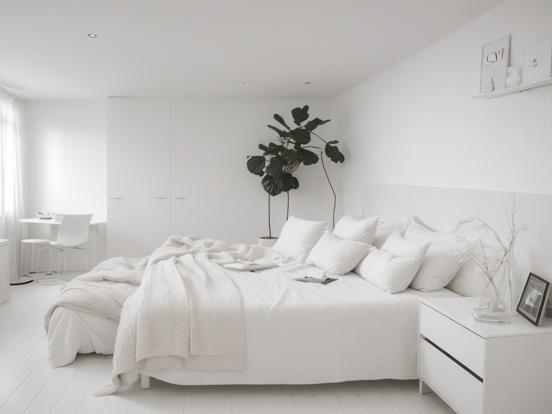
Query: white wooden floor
x,y
29,385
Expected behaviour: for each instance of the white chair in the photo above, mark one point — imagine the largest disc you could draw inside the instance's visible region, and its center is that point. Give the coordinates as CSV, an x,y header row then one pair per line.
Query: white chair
x,y
72,235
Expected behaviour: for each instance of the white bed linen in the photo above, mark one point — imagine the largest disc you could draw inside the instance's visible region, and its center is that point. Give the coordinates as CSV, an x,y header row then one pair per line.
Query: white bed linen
x,y
300,333
71,332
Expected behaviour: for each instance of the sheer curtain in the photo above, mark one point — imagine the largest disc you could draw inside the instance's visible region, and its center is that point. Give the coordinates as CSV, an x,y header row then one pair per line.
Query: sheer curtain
x,y
11,169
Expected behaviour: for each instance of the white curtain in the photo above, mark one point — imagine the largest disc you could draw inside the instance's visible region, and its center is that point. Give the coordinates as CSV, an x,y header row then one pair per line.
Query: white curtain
x,y
12,188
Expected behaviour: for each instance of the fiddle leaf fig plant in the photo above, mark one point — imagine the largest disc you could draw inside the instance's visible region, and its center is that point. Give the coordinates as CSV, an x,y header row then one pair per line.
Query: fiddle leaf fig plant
x,y
293,146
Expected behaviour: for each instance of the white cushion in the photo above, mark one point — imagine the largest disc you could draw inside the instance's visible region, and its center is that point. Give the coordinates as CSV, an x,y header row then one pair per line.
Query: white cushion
x,y
470,280
440,263
351,228
298,237
384,229
388,271
337,256
400,246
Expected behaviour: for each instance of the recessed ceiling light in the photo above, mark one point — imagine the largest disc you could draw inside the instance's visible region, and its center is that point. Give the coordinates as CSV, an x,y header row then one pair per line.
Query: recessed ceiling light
x,y
246,82
92,35
307,82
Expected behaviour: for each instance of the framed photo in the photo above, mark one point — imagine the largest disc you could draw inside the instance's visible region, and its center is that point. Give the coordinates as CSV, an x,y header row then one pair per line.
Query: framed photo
x,y
533,299
495,59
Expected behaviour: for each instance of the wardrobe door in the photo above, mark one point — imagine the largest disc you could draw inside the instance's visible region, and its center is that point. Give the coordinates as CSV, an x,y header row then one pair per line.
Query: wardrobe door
x,y
138,175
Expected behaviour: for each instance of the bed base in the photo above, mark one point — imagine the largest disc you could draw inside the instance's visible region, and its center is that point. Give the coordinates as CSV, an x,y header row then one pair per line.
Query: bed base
x,y
144,382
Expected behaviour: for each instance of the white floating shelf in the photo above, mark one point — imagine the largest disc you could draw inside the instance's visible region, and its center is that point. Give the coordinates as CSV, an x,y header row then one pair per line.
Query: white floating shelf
x,y
515,89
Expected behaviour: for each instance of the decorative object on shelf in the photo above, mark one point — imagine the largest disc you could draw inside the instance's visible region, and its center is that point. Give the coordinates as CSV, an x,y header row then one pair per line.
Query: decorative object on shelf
x,y
293,147
533,299
514,76
495,58
537,61
496,263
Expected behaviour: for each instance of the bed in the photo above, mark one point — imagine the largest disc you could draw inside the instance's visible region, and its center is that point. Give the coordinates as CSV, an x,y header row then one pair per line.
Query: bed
x,y
296,333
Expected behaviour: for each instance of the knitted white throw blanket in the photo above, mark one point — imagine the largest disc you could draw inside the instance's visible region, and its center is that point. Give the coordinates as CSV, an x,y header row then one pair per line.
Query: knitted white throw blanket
x,y
187,312
102,291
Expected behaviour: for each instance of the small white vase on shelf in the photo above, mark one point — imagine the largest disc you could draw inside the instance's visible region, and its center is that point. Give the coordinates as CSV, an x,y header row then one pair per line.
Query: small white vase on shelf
x,y
514,76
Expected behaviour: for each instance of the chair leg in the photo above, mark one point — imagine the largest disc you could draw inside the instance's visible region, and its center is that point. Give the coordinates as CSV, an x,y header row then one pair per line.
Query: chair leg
x,y
85,259
31,271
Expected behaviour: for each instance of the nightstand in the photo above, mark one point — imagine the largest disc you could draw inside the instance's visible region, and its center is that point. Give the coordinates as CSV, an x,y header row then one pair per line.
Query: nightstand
x,y
483,368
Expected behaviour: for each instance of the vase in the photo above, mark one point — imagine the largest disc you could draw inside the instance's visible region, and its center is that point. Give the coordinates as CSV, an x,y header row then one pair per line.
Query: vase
x,y
514,76
496,303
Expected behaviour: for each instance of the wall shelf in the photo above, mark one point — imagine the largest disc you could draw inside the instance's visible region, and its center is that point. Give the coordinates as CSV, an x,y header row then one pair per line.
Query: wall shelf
x,y
515,89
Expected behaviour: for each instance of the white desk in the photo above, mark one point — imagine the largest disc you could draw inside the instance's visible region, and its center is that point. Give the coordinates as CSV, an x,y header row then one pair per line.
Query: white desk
x,y
97,241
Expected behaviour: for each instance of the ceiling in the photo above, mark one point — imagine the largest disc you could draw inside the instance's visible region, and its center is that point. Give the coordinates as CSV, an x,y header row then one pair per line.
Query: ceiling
x,y
214,48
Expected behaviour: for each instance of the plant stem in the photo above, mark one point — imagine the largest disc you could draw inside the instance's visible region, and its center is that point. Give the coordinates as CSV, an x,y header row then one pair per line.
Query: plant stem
x,y
331,188
269,226
287,208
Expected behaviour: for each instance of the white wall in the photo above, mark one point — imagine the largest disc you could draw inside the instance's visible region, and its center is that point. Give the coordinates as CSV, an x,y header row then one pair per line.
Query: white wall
x,y
66,157
198,151
417,122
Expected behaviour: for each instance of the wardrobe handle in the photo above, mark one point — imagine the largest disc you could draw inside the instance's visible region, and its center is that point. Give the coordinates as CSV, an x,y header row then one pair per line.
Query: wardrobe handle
x,y
160,198
115,198
180,198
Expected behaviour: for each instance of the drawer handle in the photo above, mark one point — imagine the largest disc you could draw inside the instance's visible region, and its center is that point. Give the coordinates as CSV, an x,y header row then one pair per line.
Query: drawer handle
x,y
160,198
115,198
180,198
449,356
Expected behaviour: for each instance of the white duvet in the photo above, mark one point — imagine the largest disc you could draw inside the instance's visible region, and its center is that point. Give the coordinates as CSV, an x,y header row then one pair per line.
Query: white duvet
x,y
297,332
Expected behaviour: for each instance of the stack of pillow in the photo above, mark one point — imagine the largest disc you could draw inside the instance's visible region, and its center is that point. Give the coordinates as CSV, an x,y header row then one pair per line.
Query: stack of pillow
x,y
392,256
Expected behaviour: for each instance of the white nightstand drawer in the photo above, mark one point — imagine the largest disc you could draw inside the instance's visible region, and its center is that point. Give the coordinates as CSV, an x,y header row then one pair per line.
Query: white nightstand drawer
x,y
458,387
464,345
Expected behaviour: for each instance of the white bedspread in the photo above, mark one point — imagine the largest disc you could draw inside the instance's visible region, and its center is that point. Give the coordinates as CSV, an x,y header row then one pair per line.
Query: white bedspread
x,y
301,333
187,312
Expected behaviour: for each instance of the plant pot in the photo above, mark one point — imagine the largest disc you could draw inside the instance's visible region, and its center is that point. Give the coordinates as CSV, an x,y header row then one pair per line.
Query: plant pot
x,y
267,241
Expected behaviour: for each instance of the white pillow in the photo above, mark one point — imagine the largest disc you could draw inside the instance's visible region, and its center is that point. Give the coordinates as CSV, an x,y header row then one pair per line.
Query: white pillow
x,y
384,229
351,228
298,237
388,271
470,280
400,246
440,263
337,256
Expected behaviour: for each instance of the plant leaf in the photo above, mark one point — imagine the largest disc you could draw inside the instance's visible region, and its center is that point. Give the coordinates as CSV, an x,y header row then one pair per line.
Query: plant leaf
x,y
271,185
256,165
280,133
288,182
300,115
281,121
290,155
300,135
274,149
315,123
333,142
334,153
275,167
307,157
263,147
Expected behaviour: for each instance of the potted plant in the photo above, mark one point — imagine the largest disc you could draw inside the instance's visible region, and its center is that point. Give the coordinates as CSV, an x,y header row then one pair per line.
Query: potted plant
x,y
292,147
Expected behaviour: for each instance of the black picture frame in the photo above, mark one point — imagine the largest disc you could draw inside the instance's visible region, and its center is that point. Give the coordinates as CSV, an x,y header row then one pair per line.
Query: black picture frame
x,y
533,299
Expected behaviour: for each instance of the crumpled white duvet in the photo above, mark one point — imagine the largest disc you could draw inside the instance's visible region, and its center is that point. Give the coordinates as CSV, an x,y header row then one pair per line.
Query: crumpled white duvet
x,y
187,312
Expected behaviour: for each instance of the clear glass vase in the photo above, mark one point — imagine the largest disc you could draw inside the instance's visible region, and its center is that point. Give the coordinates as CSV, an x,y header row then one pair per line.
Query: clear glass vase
x,y
496,303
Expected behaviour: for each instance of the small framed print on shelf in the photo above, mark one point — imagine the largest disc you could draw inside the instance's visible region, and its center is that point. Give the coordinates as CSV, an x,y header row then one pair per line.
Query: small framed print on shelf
x,y
495,59
533,299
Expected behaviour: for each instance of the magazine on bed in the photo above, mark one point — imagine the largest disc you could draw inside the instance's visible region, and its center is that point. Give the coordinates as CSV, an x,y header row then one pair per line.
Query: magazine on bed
x,y
322,280
249,266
